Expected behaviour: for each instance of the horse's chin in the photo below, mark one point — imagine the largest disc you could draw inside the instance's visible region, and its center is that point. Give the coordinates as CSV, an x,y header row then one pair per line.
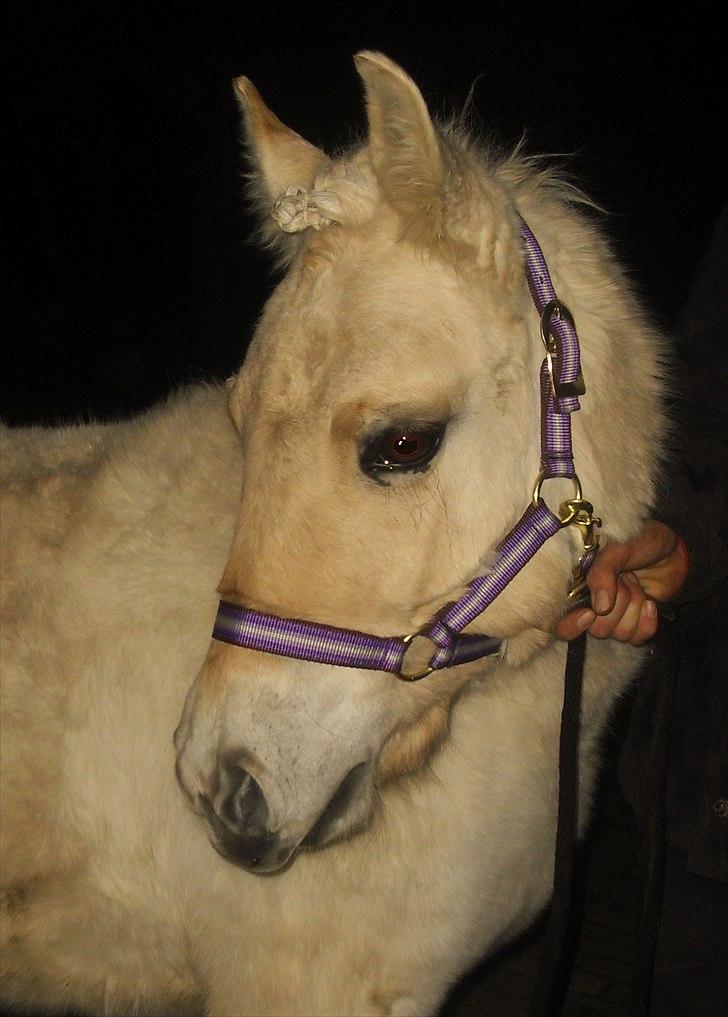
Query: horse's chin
x,y
324,835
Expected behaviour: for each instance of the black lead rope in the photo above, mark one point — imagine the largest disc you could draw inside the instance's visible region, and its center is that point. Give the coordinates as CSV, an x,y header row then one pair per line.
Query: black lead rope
x,y
652,867
549,988
545,992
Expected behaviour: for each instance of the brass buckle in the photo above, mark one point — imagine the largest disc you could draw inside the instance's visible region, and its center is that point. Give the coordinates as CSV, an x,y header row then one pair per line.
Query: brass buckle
x,y
560,389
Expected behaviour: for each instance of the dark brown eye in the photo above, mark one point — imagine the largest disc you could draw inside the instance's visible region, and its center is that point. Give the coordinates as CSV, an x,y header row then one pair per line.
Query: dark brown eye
x,y
405,448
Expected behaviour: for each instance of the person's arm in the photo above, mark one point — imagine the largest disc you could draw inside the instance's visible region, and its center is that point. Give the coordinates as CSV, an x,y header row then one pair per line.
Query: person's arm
x,y
624,583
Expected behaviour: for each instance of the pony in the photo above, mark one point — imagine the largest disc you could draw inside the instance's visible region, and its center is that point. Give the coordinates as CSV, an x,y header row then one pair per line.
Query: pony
x,y
315,839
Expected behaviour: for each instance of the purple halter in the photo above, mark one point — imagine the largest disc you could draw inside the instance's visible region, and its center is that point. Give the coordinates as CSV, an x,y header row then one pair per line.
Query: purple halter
x,y
561,385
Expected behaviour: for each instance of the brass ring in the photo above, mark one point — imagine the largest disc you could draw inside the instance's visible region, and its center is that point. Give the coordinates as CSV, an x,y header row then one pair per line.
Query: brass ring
x,y
568,517
416,675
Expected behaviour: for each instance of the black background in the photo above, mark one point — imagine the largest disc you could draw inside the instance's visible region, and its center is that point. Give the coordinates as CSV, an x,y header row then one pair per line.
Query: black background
x,y
130,270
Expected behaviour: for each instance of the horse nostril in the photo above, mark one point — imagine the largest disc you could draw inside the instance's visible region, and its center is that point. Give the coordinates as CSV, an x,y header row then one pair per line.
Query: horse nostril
x,y
244,807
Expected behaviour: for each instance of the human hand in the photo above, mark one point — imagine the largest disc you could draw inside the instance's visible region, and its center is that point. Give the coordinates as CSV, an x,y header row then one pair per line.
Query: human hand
x,y
625,581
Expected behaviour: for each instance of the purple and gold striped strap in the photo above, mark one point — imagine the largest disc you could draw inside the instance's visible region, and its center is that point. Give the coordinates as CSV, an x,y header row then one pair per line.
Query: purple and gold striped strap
x,y
560,325
328,644
537,524
557,456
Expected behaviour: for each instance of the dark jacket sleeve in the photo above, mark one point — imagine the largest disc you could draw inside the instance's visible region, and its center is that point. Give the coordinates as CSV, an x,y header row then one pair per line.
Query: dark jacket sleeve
x,y
693,500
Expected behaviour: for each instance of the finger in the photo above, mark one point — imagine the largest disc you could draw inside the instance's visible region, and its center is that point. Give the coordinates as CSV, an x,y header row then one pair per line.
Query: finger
x,y
647,625
603,626
658,550
603,577
656,543
622,620
626,627
575,623
664,580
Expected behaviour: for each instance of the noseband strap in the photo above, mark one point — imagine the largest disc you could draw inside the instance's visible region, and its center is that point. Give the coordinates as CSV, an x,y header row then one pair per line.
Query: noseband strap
x,y
561,385
327,644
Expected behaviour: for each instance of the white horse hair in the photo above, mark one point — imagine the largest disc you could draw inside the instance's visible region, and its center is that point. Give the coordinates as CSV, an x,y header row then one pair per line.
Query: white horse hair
x,y
413,824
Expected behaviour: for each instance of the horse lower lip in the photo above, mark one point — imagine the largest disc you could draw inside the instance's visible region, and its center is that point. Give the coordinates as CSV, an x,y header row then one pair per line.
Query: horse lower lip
x,y
263,867
260,864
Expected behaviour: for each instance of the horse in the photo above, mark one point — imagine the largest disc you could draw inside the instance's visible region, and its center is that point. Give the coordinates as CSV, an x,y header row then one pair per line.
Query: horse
x,y
317,839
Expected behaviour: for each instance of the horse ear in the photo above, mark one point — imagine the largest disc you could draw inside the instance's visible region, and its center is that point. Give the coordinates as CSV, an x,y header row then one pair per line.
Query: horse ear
x,y
403,146
281,158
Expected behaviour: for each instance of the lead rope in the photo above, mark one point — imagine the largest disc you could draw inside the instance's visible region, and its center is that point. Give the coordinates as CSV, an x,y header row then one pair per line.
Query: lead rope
x,y
652,867
548,986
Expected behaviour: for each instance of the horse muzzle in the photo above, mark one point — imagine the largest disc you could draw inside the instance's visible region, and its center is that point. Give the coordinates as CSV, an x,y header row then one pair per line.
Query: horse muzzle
x,y
240,824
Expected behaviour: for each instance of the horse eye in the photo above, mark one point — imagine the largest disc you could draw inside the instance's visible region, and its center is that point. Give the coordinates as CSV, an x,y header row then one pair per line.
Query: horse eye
x,y
407,448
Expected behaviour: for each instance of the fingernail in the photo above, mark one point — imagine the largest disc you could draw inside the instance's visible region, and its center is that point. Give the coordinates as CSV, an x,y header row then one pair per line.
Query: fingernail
x,y
584,620
650,608
601,602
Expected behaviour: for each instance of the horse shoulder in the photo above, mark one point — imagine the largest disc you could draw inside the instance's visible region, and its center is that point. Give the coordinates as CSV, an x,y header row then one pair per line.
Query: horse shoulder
x,y
90,516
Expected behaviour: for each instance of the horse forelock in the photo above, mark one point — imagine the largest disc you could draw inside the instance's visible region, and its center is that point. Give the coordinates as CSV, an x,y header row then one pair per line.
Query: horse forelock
x,y
477,227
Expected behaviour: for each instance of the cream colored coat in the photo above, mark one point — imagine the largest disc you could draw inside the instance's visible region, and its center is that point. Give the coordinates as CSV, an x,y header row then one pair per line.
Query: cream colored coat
x,y
115,538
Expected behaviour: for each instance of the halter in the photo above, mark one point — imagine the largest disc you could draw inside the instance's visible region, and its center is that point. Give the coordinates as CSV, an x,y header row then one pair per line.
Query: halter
x,y
561,385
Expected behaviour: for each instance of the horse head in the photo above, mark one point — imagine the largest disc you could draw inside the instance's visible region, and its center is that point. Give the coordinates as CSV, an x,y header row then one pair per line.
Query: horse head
x,y
389,437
